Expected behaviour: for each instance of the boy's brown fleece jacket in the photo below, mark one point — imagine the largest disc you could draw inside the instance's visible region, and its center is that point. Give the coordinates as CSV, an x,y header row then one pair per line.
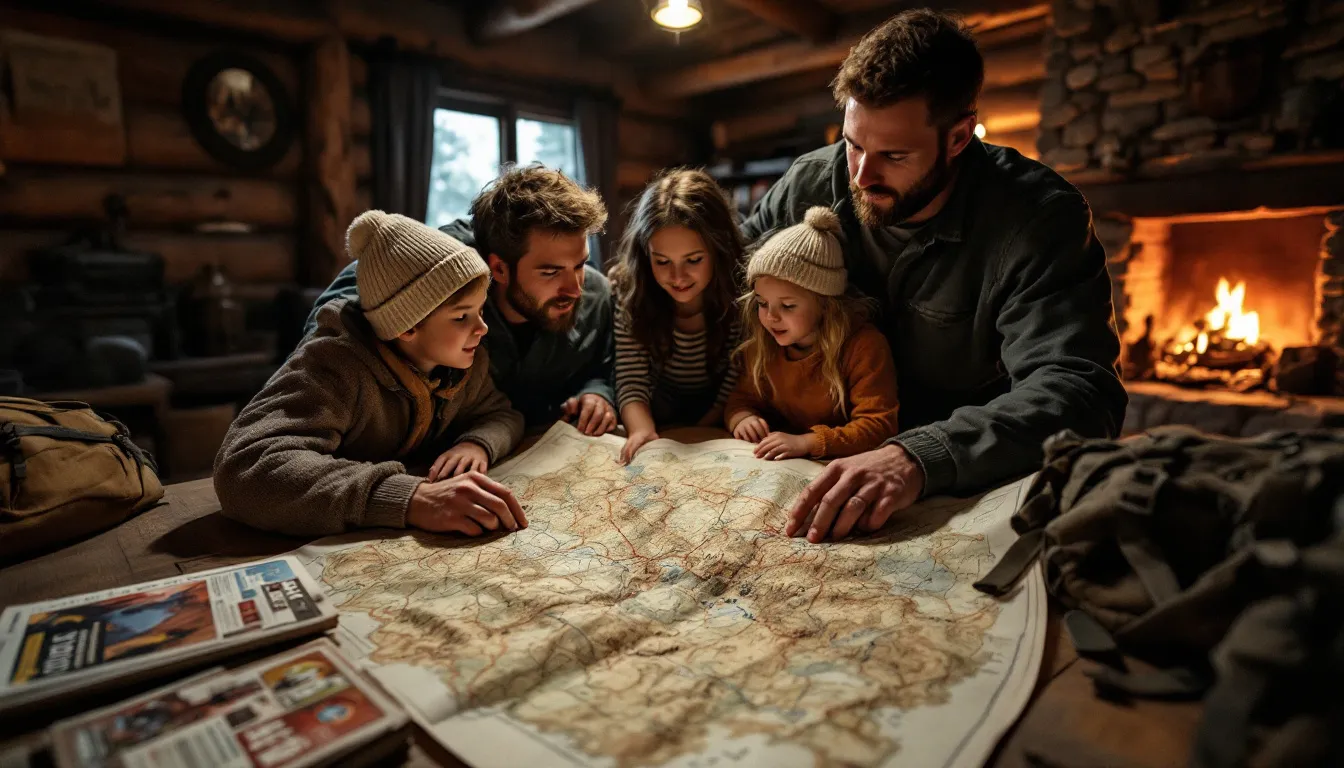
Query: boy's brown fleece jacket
x,y
324,446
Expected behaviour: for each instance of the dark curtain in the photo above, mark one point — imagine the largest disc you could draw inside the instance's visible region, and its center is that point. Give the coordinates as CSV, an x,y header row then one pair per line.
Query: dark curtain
x,y
402,95
596,116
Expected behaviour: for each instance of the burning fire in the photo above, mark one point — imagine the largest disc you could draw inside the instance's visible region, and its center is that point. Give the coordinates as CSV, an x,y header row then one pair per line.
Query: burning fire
x,y
1226,322
1229,318
1222,346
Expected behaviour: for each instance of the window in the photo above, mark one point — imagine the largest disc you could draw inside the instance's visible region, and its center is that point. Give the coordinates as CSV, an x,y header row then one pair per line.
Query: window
x,y
473,138
466,157
554,145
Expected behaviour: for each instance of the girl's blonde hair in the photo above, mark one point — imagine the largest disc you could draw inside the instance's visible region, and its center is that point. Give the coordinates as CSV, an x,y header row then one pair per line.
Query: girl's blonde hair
x,y
840,315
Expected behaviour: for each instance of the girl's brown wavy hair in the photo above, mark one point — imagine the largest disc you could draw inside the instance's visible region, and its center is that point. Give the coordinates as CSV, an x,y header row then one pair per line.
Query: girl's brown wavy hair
x,y
679,198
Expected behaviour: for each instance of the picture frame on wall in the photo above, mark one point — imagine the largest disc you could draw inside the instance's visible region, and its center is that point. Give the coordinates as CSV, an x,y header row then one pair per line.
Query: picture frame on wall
x,y
60,101
238,110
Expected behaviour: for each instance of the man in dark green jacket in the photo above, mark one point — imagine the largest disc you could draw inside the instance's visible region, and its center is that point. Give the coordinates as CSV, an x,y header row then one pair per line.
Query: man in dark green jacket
x,y
992,285
551,328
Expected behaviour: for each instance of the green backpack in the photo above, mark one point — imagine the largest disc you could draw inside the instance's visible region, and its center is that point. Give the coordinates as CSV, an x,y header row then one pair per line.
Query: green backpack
x,y
66,472
1221,560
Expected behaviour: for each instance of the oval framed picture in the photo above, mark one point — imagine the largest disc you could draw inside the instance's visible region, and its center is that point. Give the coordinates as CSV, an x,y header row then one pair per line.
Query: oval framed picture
x,y
238,110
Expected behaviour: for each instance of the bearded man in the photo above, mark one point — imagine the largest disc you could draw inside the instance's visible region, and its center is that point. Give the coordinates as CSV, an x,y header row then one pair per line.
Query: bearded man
x,y
991,282
551,327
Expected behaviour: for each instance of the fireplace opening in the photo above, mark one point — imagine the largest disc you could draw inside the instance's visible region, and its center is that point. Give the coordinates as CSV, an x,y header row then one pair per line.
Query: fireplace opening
x,y
1216,299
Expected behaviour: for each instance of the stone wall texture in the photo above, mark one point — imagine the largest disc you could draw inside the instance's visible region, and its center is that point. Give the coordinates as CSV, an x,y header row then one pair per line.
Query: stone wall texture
x,y
1216,83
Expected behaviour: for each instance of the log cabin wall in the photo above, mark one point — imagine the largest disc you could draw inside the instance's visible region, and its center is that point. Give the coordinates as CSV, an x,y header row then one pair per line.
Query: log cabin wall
x,y
171,185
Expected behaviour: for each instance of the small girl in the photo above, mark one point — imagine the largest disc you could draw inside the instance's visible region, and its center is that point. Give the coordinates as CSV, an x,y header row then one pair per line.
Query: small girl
x,y
811,362
676,326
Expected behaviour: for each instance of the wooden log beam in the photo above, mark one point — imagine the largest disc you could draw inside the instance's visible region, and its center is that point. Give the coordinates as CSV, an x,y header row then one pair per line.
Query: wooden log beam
x,y
506,18
437,29
151,67
748,126
1001,109
660,141
804,18
1022,63
1006,67
176,201
158,139
293,21
1013,108
251,258
331,167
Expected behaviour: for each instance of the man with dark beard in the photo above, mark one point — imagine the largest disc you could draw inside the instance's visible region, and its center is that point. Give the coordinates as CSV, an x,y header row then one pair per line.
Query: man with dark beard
x,y
992,285
551,332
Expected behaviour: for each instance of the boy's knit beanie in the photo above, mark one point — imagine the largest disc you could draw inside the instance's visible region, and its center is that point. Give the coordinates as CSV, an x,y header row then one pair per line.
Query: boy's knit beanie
x,y
406,269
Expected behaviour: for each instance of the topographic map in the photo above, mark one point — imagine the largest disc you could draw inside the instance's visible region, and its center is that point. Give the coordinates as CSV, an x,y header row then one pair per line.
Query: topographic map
x,y
656,615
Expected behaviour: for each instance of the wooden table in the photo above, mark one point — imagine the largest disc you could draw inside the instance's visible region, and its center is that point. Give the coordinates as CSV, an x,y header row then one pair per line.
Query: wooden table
x,y
1065,724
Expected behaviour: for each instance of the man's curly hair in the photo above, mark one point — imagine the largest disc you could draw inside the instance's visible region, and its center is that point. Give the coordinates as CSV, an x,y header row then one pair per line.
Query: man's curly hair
x,y
527,198
915,53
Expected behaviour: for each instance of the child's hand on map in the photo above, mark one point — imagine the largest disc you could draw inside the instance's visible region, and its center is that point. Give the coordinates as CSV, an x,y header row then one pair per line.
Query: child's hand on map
x,y
778,445
592,414
634,442
463,457
470,504
753,429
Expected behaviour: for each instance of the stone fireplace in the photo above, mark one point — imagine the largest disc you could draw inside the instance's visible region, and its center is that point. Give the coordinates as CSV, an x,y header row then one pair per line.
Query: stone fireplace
x,y
1267,287
1209,140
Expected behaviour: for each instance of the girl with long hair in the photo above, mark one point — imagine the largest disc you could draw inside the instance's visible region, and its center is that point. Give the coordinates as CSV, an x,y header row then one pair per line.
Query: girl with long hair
x,y
817,379
675,283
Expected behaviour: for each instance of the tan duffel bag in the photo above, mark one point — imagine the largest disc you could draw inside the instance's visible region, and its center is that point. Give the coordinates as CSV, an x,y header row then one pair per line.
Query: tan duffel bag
x,y
66,472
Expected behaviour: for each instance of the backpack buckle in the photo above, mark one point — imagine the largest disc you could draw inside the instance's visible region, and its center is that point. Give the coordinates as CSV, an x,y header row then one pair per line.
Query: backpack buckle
x,y
1140,493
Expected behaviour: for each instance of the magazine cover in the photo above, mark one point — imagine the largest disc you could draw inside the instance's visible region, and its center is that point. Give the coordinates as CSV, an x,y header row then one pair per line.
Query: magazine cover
x,y
44,646
296,709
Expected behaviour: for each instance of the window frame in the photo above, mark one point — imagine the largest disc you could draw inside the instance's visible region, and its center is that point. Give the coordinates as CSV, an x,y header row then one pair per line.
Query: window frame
x,y
507,111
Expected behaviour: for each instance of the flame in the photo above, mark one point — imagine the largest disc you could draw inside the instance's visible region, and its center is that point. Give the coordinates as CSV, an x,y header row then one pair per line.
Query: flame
x,y
1229,317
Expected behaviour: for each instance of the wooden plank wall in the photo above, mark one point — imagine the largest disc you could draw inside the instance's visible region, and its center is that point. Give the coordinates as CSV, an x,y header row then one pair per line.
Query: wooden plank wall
x,y
171,185
647,144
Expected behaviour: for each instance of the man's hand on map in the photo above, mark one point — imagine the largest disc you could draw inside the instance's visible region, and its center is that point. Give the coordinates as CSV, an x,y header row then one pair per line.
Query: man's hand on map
x,y
470,504
778,445
595,415
861,491
753,429
634,442
463,457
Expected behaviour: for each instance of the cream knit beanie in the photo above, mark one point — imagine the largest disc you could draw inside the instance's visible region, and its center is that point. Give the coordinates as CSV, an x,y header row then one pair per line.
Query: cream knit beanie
x,y
406,269
807,255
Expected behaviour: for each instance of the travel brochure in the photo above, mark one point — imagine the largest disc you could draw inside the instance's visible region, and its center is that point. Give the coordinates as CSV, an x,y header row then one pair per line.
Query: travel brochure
x,y
97,640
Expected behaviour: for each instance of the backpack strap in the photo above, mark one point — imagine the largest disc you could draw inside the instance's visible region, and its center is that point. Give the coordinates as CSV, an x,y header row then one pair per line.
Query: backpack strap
x,y
10,434
1177,683
1013,565
1140,485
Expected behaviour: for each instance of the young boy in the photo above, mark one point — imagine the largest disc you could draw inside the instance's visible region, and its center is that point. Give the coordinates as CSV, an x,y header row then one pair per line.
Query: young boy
x,y
395,379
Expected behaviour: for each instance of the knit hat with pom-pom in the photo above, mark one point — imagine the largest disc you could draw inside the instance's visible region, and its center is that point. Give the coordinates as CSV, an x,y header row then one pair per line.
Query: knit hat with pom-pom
x,y
406,269
807,255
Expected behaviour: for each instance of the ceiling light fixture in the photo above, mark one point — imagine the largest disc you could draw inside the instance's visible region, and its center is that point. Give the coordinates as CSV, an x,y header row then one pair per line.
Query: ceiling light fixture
x,y
677,14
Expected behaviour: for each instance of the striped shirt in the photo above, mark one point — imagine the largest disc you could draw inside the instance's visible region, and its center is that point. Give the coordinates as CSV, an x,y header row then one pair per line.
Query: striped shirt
x,y
685,371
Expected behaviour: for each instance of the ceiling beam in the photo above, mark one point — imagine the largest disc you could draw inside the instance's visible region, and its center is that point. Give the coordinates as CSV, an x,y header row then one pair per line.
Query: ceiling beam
x,y
789,58
1002,110
804,18
506,18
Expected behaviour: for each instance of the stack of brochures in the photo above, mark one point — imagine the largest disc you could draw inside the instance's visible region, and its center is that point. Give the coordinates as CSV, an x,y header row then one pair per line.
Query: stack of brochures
x,y
301,707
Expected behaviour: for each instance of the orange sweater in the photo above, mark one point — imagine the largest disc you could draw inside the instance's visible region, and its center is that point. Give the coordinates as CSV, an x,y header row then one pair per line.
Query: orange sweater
x,y
797,398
